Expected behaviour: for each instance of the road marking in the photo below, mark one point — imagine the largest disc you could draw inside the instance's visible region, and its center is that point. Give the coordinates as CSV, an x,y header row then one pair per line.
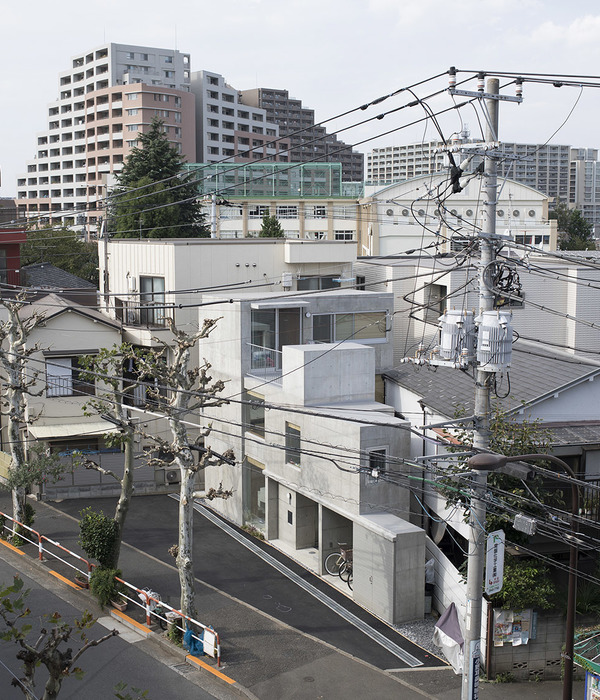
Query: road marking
x,y
376,636
65,580
11,546
125,632
204,665
130,621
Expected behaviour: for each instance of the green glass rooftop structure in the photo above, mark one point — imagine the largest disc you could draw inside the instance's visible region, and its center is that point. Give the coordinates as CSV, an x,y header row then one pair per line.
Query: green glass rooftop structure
x,y
273,180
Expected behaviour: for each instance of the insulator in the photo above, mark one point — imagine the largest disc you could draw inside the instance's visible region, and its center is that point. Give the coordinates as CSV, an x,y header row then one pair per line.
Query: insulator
x,y
519,88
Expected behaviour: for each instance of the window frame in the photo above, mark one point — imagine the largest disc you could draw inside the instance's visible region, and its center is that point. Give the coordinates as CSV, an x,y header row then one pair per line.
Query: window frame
x,y
293,444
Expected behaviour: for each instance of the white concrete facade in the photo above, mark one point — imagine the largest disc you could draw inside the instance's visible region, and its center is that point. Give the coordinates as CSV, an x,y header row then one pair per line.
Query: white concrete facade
x,y
406,216
306,475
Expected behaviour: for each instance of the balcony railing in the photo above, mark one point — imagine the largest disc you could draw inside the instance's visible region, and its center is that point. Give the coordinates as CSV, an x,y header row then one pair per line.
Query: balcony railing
x,y
265,362
134,313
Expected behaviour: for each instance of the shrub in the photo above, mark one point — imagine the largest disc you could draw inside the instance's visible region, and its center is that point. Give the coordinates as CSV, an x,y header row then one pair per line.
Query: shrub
x,y
98,536
104,586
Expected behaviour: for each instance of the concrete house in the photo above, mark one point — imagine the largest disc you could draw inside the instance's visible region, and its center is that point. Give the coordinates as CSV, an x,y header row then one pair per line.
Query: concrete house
x,y
308,475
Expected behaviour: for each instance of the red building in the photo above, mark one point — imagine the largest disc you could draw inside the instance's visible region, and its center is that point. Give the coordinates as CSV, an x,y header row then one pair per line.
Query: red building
x,y
10,254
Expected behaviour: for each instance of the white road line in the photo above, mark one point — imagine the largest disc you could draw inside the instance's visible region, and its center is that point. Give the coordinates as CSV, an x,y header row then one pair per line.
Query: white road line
x,y
376,636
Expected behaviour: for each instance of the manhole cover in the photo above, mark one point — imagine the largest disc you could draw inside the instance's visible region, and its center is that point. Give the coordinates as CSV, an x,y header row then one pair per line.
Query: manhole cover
x,y
309,679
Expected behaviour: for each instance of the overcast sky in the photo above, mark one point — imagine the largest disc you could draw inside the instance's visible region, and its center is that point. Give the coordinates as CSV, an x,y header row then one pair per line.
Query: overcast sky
x,y
332,54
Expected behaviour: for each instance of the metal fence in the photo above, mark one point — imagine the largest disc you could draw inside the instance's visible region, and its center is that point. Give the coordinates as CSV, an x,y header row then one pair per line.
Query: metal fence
x,y
155,610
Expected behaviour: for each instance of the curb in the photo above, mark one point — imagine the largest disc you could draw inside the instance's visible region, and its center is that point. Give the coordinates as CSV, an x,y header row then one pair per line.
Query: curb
x,y
194,661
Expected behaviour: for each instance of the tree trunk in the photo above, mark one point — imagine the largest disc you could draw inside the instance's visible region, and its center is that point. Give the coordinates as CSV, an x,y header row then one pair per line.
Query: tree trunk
x,y
185,563
125,496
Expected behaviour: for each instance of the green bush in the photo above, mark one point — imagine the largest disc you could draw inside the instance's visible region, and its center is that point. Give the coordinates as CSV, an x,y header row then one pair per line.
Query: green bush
x,y
104,586
98,536
527,584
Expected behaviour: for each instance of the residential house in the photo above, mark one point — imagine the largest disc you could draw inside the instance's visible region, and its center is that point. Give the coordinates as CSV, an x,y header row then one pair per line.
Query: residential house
x,y
310,437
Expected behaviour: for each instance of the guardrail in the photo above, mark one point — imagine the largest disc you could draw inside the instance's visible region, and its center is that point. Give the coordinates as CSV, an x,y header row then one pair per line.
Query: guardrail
x,y
150,601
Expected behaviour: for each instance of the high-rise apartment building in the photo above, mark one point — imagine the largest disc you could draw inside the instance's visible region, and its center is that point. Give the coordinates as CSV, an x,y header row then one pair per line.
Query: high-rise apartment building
x,y
571,175
106,99
228,129
309,143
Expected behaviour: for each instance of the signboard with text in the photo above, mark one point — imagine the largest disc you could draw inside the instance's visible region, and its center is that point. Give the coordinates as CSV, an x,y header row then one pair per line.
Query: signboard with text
x,y
494,562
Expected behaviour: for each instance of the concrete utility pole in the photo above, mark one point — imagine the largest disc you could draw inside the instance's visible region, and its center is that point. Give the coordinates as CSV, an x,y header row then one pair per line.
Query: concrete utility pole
x,y
477,535
213,215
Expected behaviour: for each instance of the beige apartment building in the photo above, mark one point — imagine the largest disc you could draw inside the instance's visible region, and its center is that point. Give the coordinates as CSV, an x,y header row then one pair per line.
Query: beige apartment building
x,y
107,98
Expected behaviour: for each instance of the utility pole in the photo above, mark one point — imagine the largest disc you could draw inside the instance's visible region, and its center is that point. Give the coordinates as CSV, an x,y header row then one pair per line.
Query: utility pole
x,y
491,344
213,215
477,534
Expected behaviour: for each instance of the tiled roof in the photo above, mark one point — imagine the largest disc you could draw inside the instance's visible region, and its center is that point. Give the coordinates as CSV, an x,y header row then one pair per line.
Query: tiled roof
x,y
47,276
535,371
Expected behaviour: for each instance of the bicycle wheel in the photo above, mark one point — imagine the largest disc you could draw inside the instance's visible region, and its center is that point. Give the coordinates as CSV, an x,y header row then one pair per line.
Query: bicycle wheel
x,y
332,563
350,579
344,571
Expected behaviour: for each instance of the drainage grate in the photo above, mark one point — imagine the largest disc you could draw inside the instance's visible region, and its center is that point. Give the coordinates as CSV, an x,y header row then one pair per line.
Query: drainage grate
x,y
182,669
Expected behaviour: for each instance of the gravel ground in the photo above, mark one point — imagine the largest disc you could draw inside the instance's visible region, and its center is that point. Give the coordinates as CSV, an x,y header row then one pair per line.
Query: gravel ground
x,y
421,632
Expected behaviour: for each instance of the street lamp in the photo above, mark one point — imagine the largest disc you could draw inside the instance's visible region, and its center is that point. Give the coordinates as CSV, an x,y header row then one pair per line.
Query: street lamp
x,y
494,462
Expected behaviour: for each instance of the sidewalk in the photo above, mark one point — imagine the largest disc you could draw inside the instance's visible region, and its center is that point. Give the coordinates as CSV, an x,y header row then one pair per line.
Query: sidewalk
x,y
278,642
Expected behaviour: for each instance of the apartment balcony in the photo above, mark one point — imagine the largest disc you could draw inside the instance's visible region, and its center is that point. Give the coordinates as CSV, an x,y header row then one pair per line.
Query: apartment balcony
x,y
143,315
265,363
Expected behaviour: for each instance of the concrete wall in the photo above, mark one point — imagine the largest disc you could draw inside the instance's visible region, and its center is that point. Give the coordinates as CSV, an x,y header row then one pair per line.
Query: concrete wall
x,y
389,568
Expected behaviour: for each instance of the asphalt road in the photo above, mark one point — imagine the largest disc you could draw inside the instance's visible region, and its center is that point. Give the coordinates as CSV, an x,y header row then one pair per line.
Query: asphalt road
x,y
228,566
109,663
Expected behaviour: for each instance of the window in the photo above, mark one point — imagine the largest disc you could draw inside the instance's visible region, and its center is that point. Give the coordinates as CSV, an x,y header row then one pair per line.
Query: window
x,y
132,112
132,95
343,235
287,212
254,413
258,211
152,300
132,127
308,283
377,464
317,211
292,444
271,329
332,328
63,378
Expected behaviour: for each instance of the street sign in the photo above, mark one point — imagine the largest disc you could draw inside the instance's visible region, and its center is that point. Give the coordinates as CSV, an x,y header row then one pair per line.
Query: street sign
x,y
494,562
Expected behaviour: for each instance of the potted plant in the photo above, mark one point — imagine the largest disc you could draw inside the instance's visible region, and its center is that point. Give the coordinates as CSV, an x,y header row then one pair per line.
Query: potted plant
x,y
81,580
106,588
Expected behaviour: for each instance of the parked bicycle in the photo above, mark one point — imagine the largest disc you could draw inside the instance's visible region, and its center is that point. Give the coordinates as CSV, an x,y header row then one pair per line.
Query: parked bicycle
x,y
156,607
340,563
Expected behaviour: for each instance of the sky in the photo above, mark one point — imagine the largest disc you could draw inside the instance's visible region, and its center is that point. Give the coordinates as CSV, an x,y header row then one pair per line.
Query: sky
x,y
334,55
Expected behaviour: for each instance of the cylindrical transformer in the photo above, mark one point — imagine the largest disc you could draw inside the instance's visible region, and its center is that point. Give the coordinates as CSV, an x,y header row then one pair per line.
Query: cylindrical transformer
x,y
494,340
457,336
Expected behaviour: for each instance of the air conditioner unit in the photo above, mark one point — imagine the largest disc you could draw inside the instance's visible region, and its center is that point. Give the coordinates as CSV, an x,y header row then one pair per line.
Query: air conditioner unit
x,y
172,476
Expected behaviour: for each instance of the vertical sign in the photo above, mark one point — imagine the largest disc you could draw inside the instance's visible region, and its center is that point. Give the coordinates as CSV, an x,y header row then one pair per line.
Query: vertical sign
x,y
475,653
494,562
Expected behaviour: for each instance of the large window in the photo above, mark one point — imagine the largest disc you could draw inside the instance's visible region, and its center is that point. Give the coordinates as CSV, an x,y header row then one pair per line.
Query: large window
x,y
254,413
292,444
332,328
152,301
308,283
274,328
63,378
254,488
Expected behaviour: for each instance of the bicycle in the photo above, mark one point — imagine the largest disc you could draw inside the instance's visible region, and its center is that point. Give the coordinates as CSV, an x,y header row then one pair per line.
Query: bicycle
x,y
346,572
156,607
336,561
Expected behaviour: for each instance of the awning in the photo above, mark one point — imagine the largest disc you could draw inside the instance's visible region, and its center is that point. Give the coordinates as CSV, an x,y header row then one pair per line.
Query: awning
x,y
62,430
